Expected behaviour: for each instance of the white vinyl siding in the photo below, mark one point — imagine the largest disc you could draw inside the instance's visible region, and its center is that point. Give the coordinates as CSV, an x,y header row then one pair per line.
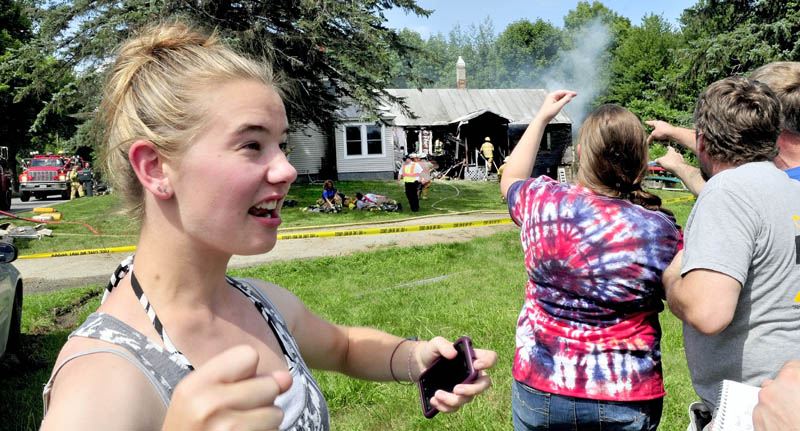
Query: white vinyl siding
x,y
383,162
308,148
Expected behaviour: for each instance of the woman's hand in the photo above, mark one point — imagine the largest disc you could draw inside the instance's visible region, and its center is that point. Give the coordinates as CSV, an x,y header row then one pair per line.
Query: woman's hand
x,y
448,402
226,393
553,103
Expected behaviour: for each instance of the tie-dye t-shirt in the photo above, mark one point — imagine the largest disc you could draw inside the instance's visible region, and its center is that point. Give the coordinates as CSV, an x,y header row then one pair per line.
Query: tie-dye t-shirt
x,y
589,324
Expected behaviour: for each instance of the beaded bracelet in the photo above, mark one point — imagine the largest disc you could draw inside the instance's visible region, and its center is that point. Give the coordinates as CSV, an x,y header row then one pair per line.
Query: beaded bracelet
x,y
391,358
410,351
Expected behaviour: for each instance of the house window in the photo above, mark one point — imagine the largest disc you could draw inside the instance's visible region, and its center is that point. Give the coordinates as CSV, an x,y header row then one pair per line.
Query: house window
x,y
363,140
353,140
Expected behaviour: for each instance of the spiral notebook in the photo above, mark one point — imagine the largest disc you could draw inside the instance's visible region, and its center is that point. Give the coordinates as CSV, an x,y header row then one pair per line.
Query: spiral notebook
x,y
735,406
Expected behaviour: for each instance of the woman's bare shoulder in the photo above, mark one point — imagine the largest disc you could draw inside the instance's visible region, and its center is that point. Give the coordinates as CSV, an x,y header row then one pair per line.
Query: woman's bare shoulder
x,y
100,391
289,305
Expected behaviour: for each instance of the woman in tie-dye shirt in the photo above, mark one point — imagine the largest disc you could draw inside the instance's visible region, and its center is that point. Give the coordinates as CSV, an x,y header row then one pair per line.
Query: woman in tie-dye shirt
x,y
588,336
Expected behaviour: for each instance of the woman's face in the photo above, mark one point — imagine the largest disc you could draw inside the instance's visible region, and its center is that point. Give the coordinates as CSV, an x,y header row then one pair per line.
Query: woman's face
x,y
231,182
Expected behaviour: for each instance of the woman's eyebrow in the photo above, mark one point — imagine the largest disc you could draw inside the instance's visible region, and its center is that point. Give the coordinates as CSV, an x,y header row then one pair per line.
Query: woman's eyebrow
x,y
256,128
251,128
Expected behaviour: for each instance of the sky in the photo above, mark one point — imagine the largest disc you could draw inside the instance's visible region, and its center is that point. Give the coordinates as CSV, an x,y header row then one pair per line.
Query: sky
x,y
448,13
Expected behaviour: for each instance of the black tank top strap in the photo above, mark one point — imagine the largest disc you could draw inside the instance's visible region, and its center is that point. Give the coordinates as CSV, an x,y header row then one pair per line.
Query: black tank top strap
x,y
151,314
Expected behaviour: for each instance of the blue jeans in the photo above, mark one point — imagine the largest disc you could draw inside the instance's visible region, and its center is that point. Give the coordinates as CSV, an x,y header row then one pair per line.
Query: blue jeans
x,y
537,410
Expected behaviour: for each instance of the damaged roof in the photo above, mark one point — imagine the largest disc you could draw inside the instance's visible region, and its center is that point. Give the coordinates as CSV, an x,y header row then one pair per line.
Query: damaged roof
x,y
442,106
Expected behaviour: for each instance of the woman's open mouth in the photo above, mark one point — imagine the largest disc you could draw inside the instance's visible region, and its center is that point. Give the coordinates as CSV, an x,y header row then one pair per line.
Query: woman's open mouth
x,y
264,209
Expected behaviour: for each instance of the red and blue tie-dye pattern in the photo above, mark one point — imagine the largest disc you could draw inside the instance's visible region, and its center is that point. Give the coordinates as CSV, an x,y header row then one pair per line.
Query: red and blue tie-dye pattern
x,y
589,325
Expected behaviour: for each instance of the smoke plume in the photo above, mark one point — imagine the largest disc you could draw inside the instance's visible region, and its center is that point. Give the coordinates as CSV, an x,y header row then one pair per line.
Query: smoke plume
x,y
581,69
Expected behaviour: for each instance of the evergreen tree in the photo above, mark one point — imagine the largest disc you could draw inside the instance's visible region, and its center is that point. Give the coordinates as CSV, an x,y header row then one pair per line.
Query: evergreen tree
x,y
327,50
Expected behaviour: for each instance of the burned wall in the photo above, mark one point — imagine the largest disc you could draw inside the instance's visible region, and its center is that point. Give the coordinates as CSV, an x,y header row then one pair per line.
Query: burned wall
x,y
556,139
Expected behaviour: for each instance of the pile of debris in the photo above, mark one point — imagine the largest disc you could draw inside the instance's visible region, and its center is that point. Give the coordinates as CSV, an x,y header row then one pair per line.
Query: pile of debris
x,y
9,232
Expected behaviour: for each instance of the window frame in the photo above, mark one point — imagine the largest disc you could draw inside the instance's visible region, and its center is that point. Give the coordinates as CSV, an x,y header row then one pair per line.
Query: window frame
x,y
364,144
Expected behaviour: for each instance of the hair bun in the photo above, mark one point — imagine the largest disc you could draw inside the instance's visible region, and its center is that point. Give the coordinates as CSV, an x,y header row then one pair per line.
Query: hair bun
x,y
157,38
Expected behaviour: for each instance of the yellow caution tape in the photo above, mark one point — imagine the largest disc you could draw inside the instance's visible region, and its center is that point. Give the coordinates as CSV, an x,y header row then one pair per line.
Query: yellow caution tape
x,y
684,198
328,234
396,229
80,252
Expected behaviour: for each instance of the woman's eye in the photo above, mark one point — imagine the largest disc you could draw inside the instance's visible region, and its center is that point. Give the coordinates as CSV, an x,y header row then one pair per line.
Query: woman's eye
x,y
284,147
252,146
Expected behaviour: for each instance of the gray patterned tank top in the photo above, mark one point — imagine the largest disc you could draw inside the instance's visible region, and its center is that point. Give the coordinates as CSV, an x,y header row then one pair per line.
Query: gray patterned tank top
x,y
303,405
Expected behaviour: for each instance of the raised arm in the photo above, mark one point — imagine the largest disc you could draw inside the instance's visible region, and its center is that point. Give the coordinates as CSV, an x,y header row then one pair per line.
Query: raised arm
x,y
663,131
690,175
524,155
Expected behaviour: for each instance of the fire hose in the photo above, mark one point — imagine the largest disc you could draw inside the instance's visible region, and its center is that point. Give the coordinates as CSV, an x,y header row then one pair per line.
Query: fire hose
x,y
49,221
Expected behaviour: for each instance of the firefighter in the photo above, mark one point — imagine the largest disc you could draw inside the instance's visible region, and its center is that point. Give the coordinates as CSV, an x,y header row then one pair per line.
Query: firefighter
x,y
86,177
74,179
426,177
438,147
488,153
410,176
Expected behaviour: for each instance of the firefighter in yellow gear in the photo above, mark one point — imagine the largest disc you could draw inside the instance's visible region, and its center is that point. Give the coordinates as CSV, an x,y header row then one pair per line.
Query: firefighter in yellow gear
x,y
438,147
77,187
410,176
488,153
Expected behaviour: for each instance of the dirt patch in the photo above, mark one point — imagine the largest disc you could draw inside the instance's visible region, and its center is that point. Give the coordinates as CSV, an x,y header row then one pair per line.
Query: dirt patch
x,y
66,317
43,285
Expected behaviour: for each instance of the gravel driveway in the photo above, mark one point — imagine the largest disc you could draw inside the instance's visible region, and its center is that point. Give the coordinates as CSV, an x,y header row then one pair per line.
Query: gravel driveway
x,y
45,275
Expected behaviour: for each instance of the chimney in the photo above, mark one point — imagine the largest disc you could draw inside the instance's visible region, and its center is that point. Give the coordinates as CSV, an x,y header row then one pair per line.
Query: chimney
x,y
461,73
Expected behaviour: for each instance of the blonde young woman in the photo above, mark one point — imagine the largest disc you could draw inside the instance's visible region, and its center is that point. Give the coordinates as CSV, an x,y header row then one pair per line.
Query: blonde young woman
x,y
588,335
194,137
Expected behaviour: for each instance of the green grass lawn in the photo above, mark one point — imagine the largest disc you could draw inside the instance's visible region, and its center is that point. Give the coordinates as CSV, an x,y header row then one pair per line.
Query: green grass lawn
x,y
480,296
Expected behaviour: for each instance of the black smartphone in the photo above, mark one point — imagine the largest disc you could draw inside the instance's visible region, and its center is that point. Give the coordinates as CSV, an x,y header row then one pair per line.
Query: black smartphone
x,y
445,374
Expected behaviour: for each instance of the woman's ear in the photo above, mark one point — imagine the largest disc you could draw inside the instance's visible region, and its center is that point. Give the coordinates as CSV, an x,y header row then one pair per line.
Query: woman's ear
x,y
148,165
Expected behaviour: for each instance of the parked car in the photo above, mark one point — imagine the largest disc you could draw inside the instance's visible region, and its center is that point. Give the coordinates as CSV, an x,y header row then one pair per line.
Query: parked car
x,y
10,301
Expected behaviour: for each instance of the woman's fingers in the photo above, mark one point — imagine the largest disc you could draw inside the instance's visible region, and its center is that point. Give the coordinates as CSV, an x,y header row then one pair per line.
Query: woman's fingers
x,y
448,402
482,383
225,393
484,359
255,392
265,418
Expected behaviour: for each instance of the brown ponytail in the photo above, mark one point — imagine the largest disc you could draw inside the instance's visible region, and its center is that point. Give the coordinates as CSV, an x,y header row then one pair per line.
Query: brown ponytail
x,y
614,155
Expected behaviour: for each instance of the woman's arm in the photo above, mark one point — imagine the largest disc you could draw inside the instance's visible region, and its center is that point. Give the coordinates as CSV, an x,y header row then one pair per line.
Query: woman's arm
x,y
524,155
366,353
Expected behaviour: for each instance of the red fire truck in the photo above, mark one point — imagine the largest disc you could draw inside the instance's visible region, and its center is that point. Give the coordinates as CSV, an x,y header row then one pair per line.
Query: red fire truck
x,y
46,175
6,180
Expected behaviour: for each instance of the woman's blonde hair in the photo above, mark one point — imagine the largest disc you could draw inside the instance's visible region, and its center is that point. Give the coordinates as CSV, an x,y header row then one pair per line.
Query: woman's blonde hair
x,y
614,156
155,91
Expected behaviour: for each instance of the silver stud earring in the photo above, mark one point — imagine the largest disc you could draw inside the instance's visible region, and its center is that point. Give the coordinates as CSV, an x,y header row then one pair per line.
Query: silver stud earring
x,y
162,190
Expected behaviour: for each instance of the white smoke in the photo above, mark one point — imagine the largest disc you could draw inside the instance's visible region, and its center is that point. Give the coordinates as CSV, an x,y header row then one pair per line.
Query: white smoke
x,y
582,70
